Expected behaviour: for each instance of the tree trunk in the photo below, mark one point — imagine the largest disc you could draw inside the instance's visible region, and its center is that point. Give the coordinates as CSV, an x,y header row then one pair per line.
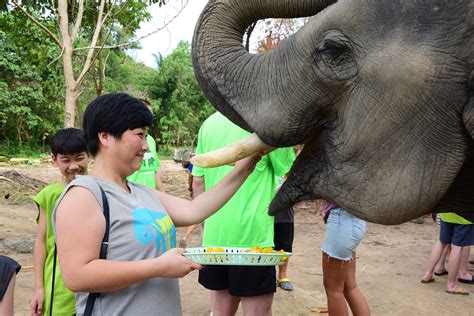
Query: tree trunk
x,y
72,94
71,91
72,97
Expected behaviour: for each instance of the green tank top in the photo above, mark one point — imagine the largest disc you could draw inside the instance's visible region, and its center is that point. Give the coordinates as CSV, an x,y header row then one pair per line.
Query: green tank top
x,y
63,299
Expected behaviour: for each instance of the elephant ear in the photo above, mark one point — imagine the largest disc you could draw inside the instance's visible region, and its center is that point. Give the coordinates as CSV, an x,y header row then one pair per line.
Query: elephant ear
x,y
468,114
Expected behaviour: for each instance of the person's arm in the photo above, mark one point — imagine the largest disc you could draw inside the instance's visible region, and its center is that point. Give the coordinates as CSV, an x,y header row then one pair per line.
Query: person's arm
x,y
184,212
80,226
198,186
39,251
159,183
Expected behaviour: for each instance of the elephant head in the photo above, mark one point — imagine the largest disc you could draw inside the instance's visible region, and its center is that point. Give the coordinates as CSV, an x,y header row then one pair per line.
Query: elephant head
x,y
380,91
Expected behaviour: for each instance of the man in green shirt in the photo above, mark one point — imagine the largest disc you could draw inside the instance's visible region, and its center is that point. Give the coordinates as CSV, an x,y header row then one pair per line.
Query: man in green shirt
x,y
148,173
242,222
51,297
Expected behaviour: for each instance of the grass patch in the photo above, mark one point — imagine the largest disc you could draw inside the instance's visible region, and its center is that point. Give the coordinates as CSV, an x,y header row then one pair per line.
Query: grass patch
x,y
25,150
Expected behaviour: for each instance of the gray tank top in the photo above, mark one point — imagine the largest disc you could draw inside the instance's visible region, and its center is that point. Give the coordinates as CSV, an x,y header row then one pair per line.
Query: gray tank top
x,y
140,228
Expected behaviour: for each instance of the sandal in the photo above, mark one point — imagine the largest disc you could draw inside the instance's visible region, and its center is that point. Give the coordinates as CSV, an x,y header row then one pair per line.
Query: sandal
x,y
285,284
458,291
427,281
441,273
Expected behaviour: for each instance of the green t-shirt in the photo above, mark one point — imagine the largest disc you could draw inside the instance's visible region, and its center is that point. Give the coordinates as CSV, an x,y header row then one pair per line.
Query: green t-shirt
x,y
244,220
150,163
454,219
63,300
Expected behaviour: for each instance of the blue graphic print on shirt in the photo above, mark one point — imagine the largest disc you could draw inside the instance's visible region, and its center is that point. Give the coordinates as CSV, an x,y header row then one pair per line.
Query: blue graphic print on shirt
x,y
154,226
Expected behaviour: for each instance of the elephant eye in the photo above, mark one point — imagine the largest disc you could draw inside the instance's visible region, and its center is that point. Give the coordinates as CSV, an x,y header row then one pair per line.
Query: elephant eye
x,y
331,49
333,53
334,56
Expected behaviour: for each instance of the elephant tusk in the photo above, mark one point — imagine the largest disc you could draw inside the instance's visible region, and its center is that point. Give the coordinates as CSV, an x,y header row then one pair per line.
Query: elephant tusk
x,y
231,153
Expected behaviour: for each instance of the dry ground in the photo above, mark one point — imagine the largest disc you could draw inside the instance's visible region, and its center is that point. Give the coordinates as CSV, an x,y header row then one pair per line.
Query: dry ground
x,y
390,262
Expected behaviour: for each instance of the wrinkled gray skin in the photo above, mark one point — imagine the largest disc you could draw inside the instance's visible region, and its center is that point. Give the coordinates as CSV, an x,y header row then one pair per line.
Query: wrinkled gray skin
x,y
380,91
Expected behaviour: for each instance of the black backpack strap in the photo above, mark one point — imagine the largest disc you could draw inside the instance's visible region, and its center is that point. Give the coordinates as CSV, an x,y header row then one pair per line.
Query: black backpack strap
x,y
52,281
103,251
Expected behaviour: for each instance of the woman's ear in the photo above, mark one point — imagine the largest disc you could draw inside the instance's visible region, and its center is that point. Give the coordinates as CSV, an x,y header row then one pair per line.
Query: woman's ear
x,y
104,138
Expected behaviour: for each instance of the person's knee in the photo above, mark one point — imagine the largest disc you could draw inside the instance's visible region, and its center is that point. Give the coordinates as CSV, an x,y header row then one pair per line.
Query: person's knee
x,y
223,303
349,287
257,305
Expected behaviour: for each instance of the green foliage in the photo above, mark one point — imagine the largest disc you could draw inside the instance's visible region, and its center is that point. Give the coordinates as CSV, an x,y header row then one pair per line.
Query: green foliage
x,y
182,106
30,105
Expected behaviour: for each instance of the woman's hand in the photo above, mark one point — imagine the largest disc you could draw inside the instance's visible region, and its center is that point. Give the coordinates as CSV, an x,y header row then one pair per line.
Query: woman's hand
x,y
175,265
247,165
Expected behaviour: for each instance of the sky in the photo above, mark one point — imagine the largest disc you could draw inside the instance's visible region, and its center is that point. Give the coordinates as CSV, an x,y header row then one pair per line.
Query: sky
x,y
164,41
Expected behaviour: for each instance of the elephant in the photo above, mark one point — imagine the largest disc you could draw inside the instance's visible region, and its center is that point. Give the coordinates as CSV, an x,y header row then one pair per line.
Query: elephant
x,y
381,92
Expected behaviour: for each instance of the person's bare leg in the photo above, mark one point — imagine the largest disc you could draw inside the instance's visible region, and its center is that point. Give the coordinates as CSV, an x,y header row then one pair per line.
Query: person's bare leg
x,y
7,303
334,276
453,268
441,265
463,272
433,260
282,271
257,305
352,293
224,304
189,231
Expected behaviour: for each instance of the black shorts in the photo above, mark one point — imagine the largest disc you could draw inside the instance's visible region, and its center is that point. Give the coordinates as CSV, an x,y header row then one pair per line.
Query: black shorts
x,y
283,236
241,281
8,266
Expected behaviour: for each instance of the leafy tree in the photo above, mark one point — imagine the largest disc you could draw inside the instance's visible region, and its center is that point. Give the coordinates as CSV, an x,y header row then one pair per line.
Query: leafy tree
x,y
83,30
30,88
181,104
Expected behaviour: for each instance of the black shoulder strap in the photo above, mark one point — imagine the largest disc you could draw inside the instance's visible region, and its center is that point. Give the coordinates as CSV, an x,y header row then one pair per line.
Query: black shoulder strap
x,y
103,251
52,281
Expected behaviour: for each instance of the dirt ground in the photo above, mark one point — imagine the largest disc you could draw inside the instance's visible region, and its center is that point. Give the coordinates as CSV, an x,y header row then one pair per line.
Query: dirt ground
x,y
390,263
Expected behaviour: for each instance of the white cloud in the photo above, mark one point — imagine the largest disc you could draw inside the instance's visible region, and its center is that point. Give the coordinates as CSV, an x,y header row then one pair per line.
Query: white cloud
x,y
165,41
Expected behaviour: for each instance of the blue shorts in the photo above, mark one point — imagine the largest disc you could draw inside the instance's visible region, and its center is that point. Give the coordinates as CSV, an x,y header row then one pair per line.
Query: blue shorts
x,y
456,234
343,234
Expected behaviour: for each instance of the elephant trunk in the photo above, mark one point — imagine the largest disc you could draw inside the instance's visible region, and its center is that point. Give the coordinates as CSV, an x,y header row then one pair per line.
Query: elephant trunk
x,y
246,87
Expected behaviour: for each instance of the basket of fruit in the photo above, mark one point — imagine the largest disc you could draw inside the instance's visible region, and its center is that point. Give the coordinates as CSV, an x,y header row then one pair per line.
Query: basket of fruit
x,y
255,256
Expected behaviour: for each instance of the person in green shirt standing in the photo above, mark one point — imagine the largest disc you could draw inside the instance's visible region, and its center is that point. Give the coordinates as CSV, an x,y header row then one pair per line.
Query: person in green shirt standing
x,y
148,173
51,297
242,222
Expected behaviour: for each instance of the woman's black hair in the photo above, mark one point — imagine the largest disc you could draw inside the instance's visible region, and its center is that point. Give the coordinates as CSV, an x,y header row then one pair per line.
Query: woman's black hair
x,y
68,141
113,113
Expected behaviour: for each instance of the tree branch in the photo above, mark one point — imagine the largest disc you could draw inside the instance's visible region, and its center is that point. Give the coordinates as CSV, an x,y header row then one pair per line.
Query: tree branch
x,y
43,27
77,25
90,54
137,39
55,59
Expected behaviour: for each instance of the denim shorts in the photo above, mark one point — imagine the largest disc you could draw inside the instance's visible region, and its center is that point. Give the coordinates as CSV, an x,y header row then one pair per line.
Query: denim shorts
x,y
343,234
456,234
